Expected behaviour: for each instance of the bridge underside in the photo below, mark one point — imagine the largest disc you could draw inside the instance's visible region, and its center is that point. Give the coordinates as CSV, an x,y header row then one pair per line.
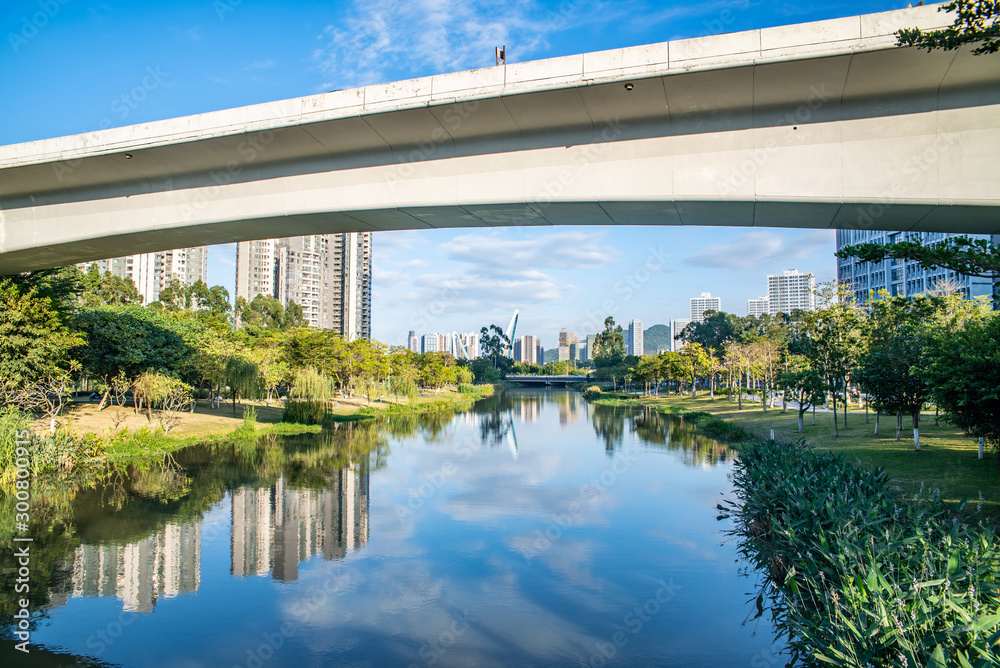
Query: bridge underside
x,y
727,131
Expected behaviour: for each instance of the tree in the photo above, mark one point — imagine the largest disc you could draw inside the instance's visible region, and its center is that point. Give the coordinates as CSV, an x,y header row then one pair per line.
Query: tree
x,y
609,344
889,369
695,361
34,341
976,22
963,371
243,378
493,344
802,384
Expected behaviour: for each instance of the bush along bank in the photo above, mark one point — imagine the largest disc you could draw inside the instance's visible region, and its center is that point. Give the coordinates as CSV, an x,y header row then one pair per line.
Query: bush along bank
x,y
857,577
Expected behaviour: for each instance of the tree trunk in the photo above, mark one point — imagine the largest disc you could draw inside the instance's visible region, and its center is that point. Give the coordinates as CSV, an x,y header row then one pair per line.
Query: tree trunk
x,y
899,423
916,429
877,413
784,402
234,403
814,415
845,404
981,444
936,415
801,425
836,430
866,412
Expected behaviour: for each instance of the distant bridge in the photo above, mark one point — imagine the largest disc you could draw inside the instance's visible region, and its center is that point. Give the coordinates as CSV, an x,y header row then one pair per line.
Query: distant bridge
x,y
561,381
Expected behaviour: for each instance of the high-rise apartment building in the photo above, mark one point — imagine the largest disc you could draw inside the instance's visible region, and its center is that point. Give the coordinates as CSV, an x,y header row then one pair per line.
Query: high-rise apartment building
x,y
790,290
526,350
152,272
591,348
676,326
470,343
758,307
633,339
328,275
706,302
412,342
899,277
568,346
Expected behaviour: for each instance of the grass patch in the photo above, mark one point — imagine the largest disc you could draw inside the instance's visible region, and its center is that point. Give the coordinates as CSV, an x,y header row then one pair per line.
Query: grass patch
x,y
948,460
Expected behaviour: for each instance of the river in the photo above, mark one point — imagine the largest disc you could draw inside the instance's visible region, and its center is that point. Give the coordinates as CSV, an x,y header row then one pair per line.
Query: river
x,y
531,530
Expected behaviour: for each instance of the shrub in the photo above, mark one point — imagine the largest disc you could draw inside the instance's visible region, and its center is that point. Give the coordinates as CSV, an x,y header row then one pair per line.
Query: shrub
x,y
306,411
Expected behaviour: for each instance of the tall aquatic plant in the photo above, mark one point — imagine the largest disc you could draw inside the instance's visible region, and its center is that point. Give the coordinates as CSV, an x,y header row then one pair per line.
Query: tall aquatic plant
x,y
858,577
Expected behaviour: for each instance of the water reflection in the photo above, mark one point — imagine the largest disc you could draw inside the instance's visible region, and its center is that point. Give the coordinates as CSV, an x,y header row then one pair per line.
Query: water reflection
x,y
274,528
163,565
546,519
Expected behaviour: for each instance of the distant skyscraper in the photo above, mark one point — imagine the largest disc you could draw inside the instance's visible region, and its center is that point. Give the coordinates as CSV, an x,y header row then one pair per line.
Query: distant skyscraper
x,y
470,341
152,272
529,349
706,302
758,306
412,342
568,342
328,275
676,325
899,277
591,346
790,290
633,340
429,343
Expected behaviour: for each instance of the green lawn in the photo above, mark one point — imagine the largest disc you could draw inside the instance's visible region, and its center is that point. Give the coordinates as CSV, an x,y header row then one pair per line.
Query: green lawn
x,y
947,460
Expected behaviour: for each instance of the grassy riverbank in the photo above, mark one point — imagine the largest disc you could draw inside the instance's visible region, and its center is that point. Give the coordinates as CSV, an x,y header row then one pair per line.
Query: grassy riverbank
x,y
947,460
87,440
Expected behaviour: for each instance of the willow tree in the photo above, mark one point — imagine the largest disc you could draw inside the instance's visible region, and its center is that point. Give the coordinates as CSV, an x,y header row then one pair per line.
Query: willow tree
x,y
243,377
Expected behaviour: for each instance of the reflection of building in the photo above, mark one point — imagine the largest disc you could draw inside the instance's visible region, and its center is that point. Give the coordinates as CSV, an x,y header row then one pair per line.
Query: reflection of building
x,y
166,564
275,528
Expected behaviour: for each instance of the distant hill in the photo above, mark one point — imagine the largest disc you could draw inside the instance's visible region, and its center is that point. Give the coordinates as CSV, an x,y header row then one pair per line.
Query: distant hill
x,y
551,355
655,338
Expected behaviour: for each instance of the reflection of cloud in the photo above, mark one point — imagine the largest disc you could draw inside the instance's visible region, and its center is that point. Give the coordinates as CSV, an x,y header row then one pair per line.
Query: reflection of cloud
x,y
756,247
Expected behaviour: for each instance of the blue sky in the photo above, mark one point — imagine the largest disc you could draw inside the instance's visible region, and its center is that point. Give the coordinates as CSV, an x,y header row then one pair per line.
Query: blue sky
x,y
71,66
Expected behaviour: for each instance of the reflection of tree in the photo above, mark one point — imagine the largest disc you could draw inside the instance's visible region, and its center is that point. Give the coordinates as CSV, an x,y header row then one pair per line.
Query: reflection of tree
x,y
124,507
658,432
609,424
494,427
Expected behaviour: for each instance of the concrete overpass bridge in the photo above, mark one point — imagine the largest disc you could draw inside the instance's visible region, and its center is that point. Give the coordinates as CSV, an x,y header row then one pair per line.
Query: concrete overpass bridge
x,y
820,125
546,381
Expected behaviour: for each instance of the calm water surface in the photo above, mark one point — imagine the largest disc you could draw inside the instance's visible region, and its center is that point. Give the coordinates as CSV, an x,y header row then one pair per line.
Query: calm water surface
x,y
533,530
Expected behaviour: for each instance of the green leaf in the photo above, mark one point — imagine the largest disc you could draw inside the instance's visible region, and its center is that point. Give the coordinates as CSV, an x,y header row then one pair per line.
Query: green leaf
x,y
937,658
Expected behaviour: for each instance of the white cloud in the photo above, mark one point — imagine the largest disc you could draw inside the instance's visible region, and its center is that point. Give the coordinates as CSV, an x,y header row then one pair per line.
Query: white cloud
x,y
579,250
757,247
417,37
